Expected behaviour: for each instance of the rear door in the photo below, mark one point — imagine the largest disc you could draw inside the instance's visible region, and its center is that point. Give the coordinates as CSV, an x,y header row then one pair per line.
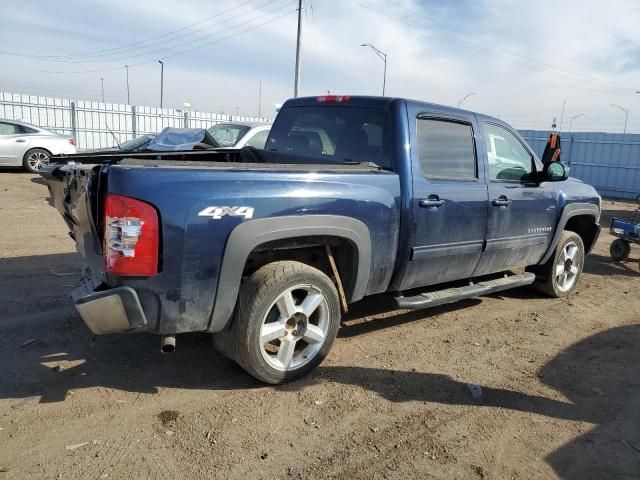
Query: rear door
x,y
522,213
450,199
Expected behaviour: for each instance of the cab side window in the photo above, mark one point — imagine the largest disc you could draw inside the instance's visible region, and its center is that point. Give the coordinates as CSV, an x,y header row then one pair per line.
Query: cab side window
x,y
446,150
509,160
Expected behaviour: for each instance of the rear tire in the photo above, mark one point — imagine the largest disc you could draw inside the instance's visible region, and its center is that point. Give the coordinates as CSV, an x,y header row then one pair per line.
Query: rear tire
x,y
619,250
286,321
559,276
35,159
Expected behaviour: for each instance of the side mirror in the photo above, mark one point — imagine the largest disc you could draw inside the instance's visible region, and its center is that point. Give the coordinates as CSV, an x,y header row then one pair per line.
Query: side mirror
x,y
556,172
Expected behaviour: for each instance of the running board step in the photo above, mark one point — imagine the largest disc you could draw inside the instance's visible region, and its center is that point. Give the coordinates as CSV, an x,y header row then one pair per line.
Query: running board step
x,y
451,295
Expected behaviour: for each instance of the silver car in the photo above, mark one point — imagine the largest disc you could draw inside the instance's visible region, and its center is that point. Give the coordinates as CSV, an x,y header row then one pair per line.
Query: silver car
x,y
239,135
29,146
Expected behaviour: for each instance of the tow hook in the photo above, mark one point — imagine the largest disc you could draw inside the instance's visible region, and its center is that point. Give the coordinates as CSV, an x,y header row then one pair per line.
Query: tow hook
x,y
168,343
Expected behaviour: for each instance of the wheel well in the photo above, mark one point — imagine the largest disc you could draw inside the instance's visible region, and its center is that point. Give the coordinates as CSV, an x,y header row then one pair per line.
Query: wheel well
x,y
309,250
35,148
585,226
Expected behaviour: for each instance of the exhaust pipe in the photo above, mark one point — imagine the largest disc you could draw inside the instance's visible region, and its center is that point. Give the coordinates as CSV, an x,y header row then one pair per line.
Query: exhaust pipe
x,y
168,343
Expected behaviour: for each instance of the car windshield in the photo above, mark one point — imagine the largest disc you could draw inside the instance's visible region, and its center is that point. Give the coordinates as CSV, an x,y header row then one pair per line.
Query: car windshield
x,y
227,134
135,143
339,133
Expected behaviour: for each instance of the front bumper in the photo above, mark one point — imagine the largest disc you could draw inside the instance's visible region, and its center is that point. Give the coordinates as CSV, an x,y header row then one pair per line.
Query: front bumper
x,y
110,311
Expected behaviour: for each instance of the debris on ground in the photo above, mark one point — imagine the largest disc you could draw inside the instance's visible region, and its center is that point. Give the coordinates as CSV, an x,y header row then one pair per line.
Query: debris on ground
x,y
76,446
26,343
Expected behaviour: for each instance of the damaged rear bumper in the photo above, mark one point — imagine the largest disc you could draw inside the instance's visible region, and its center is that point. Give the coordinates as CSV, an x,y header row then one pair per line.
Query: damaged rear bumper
x,y
110,311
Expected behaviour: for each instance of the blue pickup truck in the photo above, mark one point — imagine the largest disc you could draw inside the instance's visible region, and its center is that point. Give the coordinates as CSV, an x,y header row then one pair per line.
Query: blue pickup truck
x,y
352,196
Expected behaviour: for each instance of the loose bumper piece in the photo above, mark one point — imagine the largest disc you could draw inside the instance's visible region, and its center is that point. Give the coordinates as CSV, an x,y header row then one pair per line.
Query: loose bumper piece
x,y
110,311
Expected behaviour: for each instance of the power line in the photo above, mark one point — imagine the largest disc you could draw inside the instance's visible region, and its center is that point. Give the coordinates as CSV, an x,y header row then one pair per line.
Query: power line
x,y
127,46
133,54
166,56
126,57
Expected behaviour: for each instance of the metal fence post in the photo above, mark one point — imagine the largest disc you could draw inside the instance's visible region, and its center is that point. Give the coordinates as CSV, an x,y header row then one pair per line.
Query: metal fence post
x,y
134,126
570,149
186,119
74,121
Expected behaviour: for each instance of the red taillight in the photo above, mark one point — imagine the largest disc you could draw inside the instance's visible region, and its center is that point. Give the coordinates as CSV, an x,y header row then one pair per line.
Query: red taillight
x,y
72,141
333,98
131,237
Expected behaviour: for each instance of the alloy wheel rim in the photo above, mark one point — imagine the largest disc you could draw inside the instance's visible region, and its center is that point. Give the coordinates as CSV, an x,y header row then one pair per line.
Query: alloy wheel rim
x,y
37,160
294,328
568,267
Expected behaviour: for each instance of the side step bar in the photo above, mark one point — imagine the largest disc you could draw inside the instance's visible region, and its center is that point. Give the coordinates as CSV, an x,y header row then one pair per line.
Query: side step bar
x,y
451,295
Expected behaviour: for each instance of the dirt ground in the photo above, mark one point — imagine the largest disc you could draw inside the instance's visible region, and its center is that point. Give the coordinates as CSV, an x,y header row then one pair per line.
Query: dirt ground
x,y
559,380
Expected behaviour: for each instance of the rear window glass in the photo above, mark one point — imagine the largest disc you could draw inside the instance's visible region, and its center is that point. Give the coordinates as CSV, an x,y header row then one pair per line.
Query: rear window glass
x,y
446,150
337,133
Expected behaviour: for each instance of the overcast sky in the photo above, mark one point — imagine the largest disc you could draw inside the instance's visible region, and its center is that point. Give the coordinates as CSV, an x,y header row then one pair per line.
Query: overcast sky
x,y
521,58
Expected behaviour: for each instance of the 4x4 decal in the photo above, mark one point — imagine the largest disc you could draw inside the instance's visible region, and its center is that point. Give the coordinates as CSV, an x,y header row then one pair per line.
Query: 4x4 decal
x,y
216,213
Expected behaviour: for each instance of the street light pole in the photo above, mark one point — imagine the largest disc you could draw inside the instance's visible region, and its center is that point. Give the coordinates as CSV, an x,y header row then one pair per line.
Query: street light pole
x,y
296,86
128,97
572,119
465,97
260,100
161,80
102,88
626,115
383,57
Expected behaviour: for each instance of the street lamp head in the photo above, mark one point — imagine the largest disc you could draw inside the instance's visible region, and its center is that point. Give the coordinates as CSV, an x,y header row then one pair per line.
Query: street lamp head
x,y
160,62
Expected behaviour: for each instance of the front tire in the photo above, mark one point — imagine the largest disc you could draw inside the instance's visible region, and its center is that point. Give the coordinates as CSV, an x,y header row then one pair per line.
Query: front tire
x,y
35,159
559,276
287,319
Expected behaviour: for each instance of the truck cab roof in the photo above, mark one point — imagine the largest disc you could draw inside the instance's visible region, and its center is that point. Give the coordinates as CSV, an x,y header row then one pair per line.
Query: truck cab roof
x,y
378,102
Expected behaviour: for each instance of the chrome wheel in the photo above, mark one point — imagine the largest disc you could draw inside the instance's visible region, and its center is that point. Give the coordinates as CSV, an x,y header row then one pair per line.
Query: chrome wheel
x,y
38,159
568,267
295,327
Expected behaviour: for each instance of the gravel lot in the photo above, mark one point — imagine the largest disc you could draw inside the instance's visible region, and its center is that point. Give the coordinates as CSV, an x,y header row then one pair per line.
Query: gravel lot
x,y
559,381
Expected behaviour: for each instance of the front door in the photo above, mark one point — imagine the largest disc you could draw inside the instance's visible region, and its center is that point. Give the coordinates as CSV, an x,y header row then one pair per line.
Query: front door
x,y
12,144
449,202
522,213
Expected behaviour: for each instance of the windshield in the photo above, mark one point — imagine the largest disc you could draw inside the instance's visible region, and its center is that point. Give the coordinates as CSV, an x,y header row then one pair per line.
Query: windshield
x,y
135,143
227,135
339,133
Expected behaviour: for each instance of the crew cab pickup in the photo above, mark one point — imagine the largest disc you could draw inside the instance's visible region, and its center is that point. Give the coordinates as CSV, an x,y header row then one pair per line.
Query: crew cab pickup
x,y
352,197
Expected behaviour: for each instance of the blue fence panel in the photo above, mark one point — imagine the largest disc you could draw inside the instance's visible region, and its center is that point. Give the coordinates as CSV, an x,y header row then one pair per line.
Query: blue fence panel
x,y
608,161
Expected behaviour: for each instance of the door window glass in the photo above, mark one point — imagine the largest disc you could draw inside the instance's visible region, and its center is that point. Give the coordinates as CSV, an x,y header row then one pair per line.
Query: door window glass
x,y
508,159
9,128
446,150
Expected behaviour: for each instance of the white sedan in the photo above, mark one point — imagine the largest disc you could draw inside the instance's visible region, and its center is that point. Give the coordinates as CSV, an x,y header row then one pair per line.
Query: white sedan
x,y
239,135
29,146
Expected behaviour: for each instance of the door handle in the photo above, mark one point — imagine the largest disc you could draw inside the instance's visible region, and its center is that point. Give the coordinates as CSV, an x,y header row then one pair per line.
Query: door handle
x,y
21,140
432,202
501,201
